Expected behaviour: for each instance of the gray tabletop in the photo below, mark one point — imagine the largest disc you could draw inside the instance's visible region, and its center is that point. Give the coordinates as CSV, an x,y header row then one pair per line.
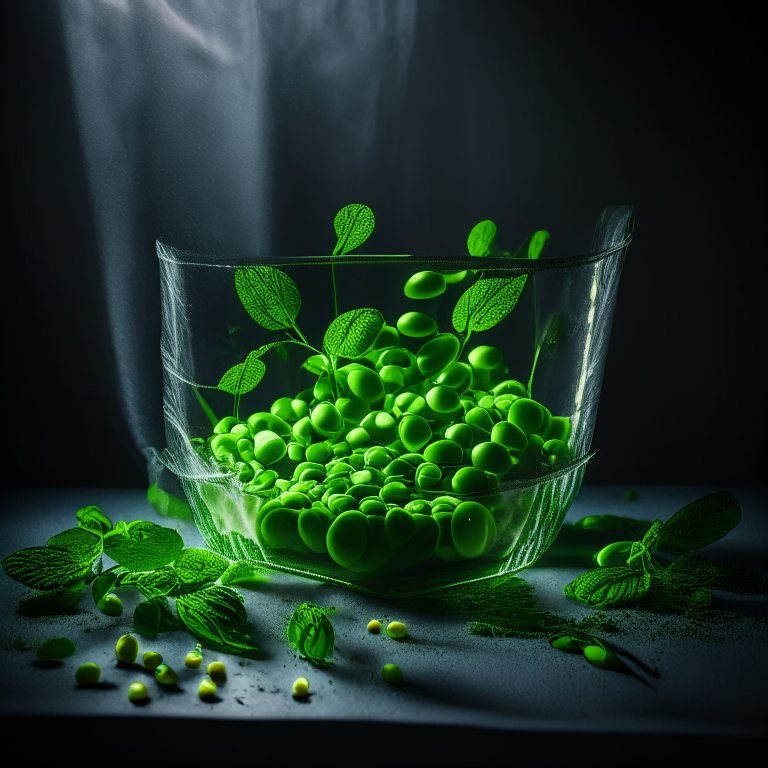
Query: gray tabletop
x,y
710,684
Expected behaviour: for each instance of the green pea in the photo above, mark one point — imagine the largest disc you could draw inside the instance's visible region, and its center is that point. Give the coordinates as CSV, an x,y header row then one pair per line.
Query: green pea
x,y
510,436
138,692
127,649
322,390
341,502
314,466
57,648
279,527
445,548
283,407
614,555
398,468
319,453
409,402
245,449
392,674
313,528
553,448
567,644
437,354
373,505
294,500
269,447
601,657
418,507
461,434
387,337
217,671
342,449
397,630
487,402
428,476
533,451
559,429
414,432
416,325
424,285
206,689
240,432
392,377
165,675
366,385
486,358
300,409
152,660
261,421
377,456
327,420
337,485
223,427
479,418
444,452
529,415
491,457
193,660
88,673
352,409
347,538
222,446
381,426
467,403
414,459
503,402
510,387
469,480
374,627
282,485
300,689
263,481
451,501
395,493
457,376
443,399
399,526
111,605
472,526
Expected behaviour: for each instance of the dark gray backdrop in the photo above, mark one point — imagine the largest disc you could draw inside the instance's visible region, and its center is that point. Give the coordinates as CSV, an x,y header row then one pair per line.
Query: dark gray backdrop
x,y
533,115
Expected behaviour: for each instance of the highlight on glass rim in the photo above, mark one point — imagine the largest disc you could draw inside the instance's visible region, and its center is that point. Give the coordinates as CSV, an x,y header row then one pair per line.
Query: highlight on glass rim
x,y
411,445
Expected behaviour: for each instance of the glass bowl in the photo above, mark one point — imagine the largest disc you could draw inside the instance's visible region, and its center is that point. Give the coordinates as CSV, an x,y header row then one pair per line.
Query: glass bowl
x,y
261,485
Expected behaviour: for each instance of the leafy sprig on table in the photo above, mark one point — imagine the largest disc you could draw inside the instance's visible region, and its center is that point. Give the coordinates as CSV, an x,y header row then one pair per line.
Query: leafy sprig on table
x,y
154,560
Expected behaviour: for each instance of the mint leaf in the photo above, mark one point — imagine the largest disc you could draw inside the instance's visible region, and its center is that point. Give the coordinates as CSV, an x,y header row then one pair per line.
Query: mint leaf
x,y
46,568
353,224
481,238
198,566
93,519
158,583
168,505
311,634
142,546
605,587
102,585
81,543
317,364
244,574
700,523
692,570
532,246
352,334
243,377
153,616
216,617
486,303
269,296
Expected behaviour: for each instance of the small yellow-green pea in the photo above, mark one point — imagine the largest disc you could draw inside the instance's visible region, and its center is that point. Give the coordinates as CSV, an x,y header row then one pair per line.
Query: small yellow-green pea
x,y
165,675
138,692
268,447
319,453
366,385
461,434
300,688
225,425
217,671
337,469
614,555
381,426
193,660
409,402
479,418
280,528
88,673
418,507
444,452
206,689
327,420
57,648
358,438
559,429
457,376
296,451
152,660
469,480
486,358
392,377
348,537
223,446
487,402
510,387
240,432
437,354
395,493
300,409
424,285
373,505
111,605
378,457
392,674
396,630
127,649
398,468
416,325
442,399
491,457
472,527
601,657
374,626
510,436
428,476
553,448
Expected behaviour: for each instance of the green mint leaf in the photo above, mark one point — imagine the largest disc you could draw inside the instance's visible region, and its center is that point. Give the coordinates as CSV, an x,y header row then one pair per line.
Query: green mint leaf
x,y
158,583
317,364
103,585
168,505
605,587
243,377
639,560
700,523
532,246
46,568
142,546
81,543
269,296
216,617
198,566
352,334
669,593
353,224
487,302
244,574
481,238
652,535
692,570
152,617
93,519
311,634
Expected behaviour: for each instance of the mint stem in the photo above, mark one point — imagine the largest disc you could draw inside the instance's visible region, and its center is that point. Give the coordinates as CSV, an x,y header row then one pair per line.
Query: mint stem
x,y
536,345
236,412
207,408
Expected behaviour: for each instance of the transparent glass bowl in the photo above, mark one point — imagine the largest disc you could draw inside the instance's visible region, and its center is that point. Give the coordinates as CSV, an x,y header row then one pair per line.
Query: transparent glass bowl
x,y
207,331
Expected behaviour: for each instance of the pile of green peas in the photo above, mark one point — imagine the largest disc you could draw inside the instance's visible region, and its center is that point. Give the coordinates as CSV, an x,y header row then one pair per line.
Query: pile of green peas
x,y
380,461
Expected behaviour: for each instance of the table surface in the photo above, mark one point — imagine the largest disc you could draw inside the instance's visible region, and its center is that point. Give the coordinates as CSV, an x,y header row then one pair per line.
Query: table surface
x,y
710,685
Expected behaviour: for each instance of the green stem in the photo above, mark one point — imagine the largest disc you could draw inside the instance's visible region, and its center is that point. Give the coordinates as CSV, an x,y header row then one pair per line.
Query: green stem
x,y
207,408
463,343
536,346
236,412
332,376
335,300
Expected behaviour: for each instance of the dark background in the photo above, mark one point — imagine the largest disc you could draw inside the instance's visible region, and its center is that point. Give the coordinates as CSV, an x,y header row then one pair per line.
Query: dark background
x,y
574,107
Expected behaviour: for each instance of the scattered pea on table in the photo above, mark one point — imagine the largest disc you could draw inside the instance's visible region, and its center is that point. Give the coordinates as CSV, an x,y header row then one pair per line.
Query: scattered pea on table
x,y
88,673
374,626
301,688
397,630
165,675
111,605
391,673
152,660
127,649
217,671
206,689
138,692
